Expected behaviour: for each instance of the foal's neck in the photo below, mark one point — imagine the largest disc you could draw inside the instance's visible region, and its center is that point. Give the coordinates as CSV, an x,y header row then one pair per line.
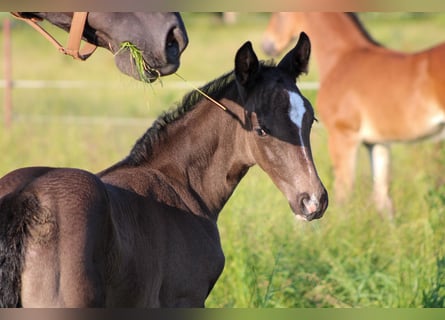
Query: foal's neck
x,y
334,34
207,156
199,158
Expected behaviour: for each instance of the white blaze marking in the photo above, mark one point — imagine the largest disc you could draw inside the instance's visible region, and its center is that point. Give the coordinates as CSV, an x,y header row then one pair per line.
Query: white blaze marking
x,y
297,109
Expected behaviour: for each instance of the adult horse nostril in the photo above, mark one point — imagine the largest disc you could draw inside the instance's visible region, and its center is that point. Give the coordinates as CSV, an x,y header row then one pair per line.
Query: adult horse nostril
x,y
269,48
172,47
176,42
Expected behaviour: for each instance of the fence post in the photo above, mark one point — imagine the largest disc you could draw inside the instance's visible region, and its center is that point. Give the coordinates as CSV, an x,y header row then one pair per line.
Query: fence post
x,y
8,72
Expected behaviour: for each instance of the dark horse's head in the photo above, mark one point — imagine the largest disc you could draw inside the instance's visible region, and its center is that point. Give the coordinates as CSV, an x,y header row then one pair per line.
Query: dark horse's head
x,y
159,37
281,122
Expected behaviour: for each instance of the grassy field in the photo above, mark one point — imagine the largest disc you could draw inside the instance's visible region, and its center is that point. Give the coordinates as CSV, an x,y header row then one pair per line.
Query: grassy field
x,y
350,258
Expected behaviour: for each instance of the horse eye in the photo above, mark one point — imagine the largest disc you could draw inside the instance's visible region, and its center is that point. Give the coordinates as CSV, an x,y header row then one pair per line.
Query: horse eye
x,y
261,132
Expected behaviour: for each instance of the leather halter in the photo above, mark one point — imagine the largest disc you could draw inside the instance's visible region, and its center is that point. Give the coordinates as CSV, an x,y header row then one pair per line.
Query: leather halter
x,y
75,35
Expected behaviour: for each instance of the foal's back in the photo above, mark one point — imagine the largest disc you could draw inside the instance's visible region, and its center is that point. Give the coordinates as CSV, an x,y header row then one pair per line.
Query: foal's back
x,y
50,216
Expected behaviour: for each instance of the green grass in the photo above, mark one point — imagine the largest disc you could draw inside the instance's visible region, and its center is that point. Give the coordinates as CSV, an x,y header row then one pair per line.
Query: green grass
x,y
350,258
141,66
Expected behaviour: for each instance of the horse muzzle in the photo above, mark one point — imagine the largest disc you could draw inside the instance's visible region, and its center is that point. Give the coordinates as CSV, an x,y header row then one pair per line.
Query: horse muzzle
x,y
269,47
309,207
161,55
175,43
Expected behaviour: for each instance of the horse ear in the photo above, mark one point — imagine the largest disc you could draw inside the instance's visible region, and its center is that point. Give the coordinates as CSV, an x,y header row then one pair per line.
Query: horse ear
x,y
246,64
296,61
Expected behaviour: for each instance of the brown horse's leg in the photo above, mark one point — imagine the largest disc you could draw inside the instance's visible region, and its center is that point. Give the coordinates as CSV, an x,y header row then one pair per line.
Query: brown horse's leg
x,y
380,164
343,149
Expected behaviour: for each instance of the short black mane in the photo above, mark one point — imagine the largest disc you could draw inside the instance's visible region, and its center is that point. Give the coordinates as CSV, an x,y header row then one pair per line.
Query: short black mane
x,y
142,150
355,19
190,100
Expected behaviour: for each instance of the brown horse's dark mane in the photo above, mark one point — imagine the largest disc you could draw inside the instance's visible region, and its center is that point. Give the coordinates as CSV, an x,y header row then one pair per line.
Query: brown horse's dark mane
x,y
213,88
353,16
142,150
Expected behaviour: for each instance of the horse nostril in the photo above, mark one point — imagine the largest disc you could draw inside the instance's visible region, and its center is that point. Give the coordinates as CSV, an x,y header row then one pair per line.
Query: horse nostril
x,y
175,43
324,200
269,48
304,202
312,207
172,46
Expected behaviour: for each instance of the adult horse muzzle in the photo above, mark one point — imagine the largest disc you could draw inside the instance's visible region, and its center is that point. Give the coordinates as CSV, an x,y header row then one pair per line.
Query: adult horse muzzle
x,y
161,58
175,42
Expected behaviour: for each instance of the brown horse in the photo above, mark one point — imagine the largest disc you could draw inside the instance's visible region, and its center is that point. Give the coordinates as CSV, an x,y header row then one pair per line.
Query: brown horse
x,y
144,231
368,93
161,37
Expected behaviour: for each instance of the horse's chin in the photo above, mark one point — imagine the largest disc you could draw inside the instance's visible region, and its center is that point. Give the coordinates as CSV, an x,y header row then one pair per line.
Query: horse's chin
x,y
127,65
168,69
300,217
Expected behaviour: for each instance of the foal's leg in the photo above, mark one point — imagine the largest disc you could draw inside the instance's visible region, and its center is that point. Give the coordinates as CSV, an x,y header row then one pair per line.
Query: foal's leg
x,y
343,151
380,165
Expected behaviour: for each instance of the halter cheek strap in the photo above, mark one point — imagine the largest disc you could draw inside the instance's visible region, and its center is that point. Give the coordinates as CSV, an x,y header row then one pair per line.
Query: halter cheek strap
x,y
75,35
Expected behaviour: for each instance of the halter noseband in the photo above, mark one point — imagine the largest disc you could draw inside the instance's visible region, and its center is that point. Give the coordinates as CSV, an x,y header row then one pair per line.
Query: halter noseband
x,y
75,35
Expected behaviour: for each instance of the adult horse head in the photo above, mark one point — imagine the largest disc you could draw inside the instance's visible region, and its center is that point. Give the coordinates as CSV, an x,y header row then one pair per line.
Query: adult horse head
x,y
282,28
160,37
350,101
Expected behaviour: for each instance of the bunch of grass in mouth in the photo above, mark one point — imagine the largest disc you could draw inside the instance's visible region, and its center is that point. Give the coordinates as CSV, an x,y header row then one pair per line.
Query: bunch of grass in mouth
x,y
141,66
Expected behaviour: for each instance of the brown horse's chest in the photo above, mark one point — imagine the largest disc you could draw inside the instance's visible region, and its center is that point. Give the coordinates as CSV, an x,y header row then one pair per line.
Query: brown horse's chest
x,y
193,262
172,258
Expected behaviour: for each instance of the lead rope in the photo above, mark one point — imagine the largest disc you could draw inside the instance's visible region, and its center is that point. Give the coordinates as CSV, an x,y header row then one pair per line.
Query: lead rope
x,y
202,92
